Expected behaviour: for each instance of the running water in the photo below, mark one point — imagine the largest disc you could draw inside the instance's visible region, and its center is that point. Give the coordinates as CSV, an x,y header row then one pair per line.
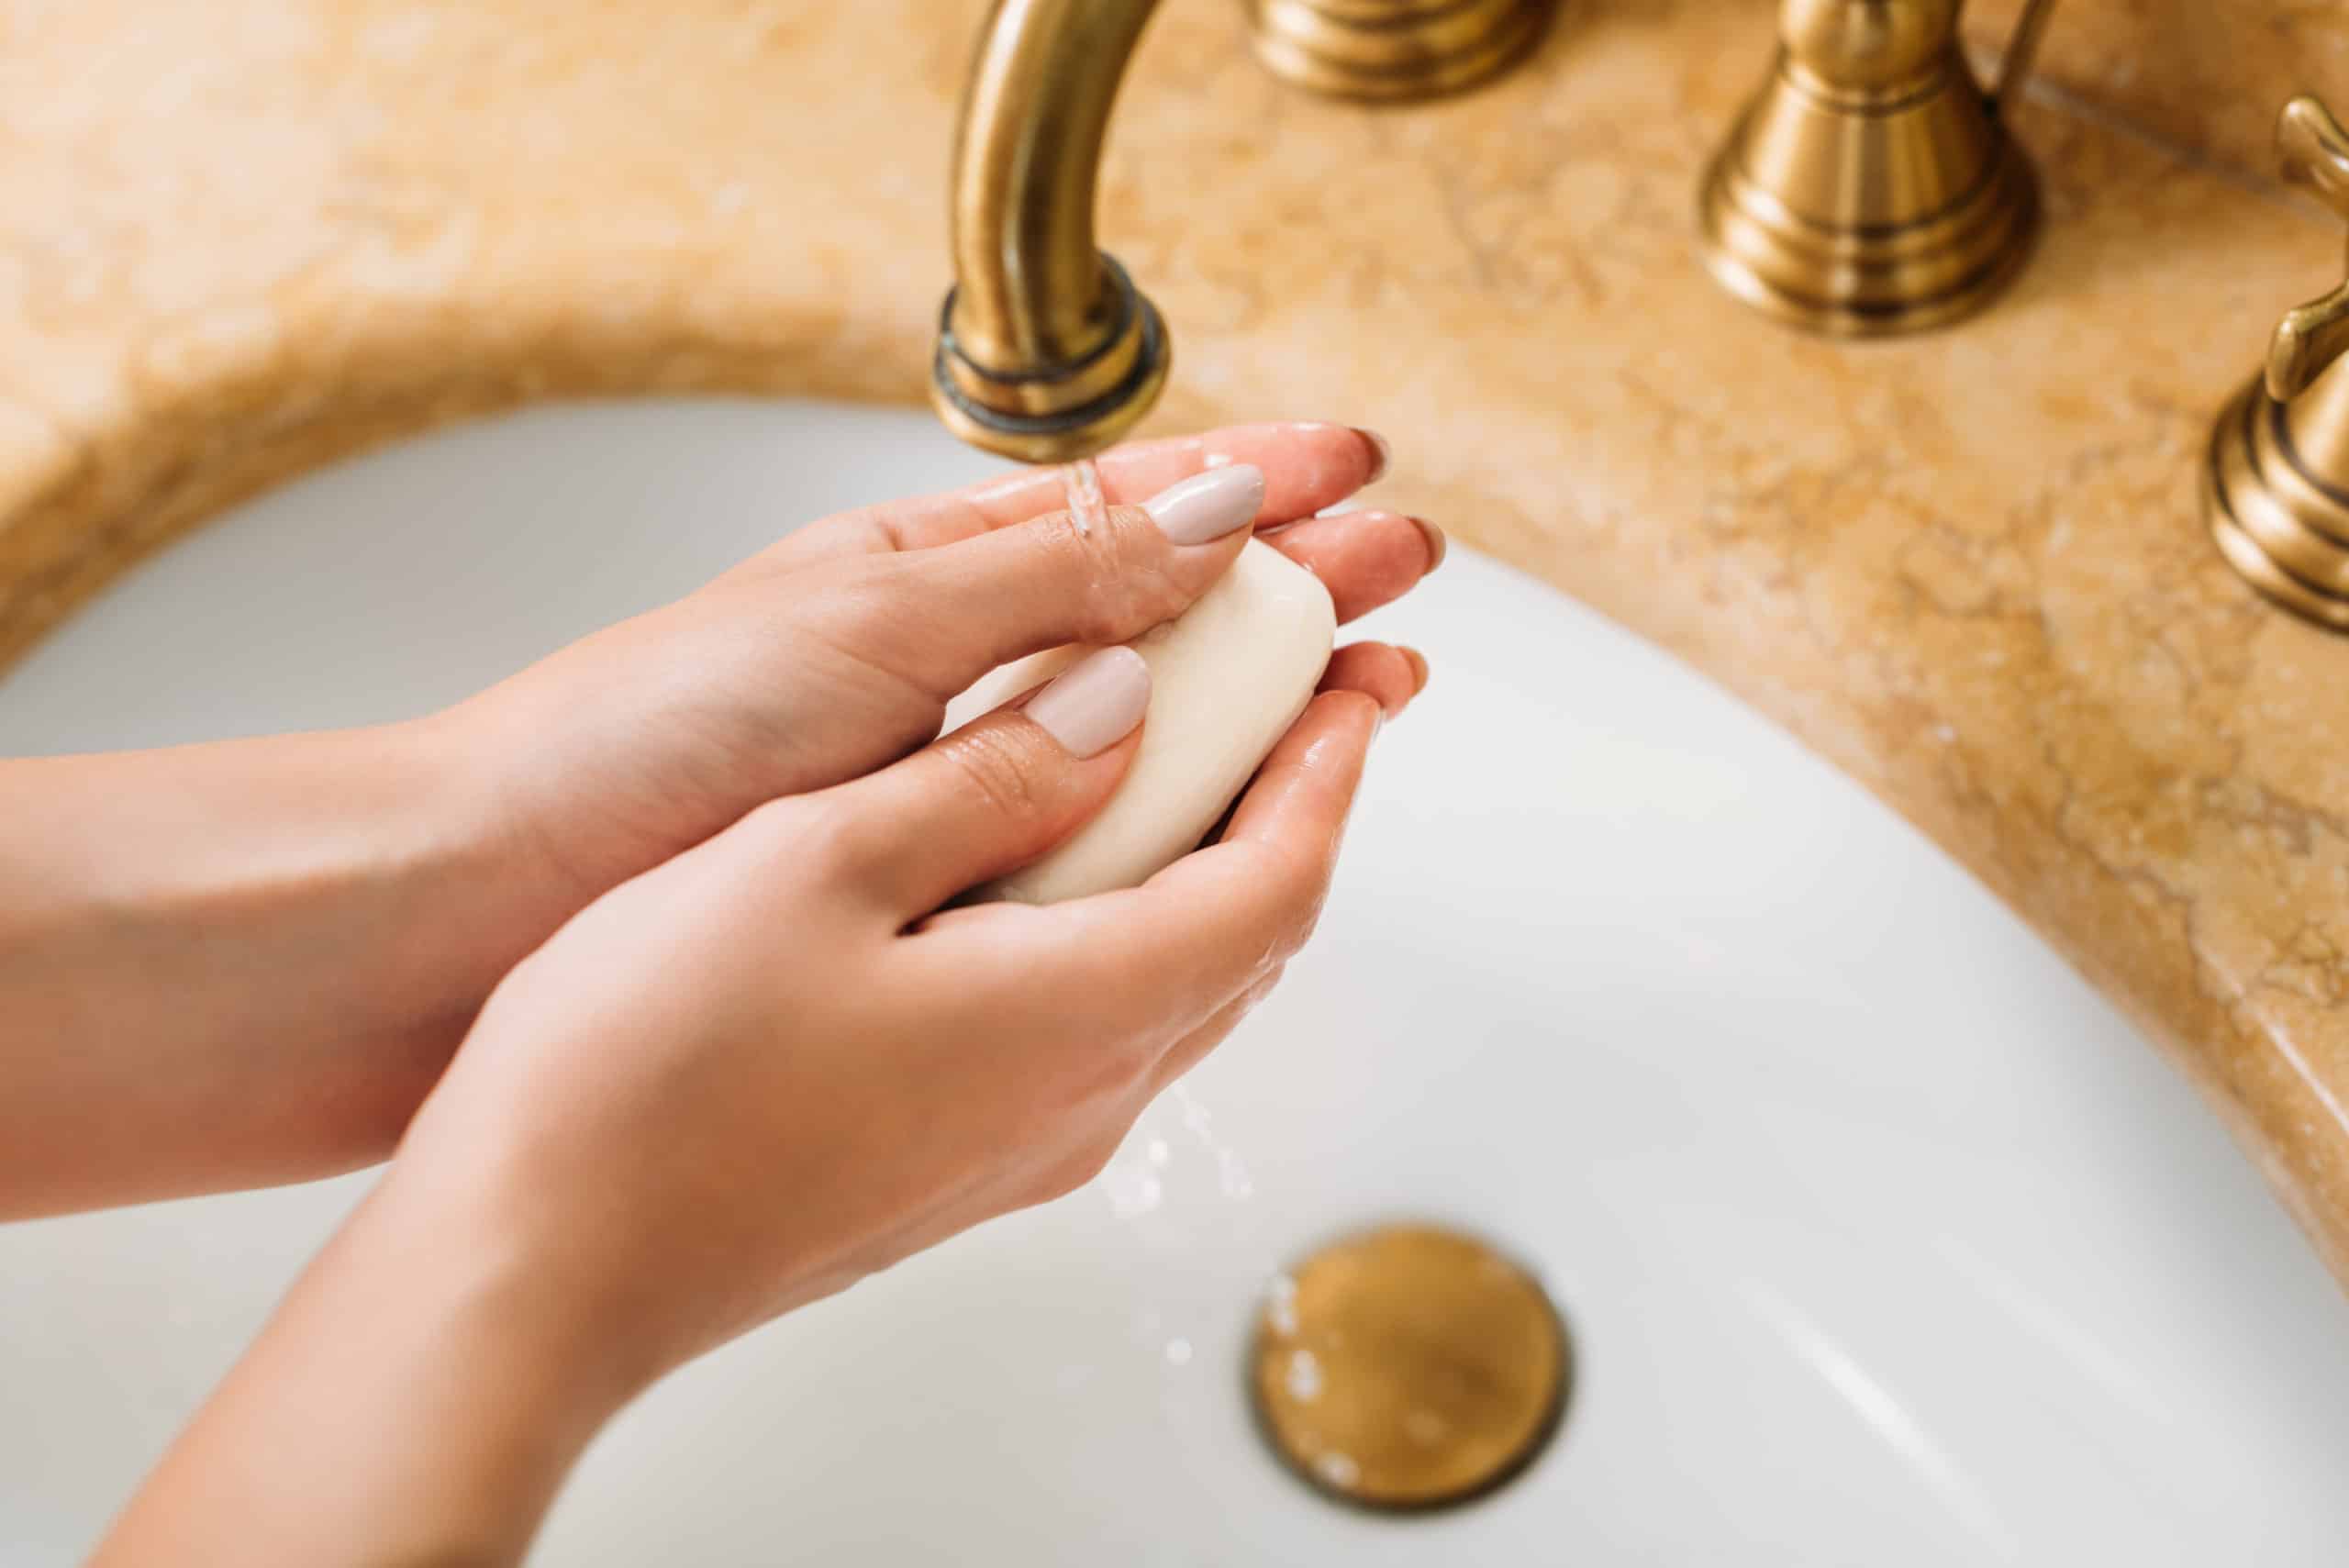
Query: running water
x,y
1082,484
1136,1182
1137,1187
1231,1173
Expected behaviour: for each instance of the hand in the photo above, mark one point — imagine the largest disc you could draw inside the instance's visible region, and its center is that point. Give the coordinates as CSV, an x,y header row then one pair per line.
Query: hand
x,y
759,1071
768,1066
247,962
835,651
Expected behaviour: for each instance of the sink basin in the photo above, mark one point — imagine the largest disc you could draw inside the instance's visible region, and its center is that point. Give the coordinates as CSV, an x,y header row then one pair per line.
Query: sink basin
x,y
1880,1235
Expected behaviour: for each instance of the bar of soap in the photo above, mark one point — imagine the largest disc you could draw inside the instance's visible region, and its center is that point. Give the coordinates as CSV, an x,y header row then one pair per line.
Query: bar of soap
x,y
1227,679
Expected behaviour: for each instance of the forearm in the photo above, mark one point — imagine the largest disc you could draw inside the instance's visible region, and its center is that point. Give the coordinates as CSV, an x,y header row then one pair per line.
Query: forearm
x,y
417,1398
236,964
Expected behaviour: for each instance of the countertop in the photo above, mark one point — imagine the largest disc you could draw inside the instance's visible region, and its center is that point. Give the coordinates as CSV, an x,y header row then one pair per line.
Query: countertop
x,y
239,239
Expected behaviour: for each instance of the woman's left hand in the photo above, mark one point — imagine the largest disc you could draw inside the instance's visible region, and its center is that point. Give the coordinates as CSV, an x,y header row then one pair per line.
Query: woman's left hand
x,y
835,651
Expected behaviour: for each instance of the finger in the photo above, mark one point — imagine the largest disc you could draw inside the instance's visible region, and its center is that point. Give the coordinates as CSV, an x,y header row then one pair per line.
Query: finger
x,y
940,619
1306,466
1165,957
1391,675
1366,559
992,796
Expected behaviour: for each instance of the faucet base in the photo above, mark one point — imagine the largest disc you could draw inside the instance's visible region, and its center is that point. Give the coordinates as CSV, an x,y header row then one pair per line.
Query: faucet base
x,y
1060,411
1848,276
1393,50
2283,529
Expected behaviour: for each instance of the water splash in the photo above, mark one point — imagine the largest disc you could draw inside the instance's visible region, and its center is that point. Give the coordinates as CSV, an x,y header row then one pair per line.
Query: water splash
x,y
1229,1169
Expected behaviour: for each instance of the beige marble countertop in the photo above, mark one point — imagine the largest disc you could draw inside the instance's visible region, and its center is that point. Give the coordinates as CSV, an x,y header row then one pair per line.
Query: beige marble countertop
x,y
241,238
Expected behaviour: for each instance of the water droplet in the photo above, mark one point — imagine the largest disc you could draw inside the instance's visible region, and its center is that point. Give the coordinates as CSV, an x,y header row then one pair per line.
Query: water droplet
x,y
1304,1377
1338,1469
1230,1171
1280,1303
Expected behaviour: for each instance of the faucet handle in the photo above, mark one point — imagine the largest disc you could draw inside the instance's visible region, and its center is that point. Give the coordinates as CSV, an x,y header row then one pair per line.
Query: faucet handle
x,y
2315,151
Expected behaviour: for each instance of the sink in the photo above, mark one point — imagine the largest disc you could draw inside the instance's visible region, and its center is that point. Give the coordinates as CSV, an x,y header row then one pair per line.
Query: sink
x,y
1880,1235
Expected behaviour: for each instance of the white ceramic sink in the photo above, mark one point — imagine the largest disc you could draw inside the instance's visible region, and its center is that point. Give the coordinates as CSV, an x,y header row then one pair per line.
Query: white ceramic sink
x,y
1883,1240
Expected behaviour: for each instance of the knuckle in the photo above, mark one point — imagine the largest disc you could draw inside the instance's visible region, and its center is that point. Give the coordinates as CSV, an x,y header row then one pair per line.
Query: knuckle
x,y
991,765
825,839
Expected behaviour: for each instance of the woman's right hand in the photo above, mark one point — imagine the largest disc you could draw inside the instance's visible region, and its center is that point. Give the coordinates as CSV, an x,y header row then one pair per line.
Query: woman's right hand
x,y
764,1070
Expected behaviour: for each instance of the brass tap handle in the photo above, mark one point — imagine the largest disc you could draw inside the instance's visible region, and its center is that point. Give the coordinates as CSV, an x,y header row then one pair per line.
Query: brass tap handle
x,y
2022,49
2315,151
1884,46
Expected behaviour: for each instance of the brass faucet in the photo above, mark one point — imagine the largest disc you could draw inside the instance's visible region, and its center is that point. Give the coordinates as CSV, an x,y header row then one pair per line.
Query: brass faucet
x,y
1046,350
2275,489
1870,187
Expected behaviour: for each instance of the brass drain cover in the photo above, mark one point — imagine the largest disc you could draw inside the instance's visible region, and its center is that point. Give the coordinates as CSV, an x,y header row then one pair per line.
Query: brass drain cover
x,y
1409,1367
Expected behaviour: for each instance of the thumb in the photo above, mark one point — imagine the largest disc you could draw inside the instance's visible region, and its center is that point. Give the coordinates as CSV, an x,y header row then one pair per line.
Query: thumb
x,y
998,792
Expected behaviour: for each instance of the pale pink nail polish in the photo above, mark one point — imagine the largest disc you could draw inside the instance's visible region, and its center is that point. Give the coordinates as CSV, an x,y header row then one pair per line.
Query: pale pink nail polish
x,y
1208,505
1437,544
1095,703
1381,454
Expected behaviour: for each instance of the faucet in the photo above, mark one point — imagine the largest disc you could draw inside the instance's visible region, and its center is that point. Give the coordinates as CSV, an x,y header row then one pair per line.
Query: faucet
x,y
1046,350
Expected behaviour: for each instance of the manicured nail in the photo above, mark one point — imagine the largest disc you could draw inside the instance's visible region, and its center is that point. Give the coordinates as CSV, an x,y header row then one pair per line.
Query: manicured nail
x,y
1418,664
1095,703
1208,505
1436,543
1380,453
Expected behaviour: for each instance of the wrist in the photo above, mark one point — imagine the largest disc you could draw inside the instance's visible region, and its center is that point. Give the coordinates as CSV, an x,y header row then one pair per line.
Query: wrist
x,y
496,1299
489,1239
419,1396
482,878
529,799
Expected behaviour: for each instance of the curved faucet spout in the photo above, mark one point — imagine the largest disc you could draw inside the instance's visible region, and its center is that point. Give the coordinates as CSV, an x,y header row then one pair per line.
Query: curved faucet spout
x,y
1046,350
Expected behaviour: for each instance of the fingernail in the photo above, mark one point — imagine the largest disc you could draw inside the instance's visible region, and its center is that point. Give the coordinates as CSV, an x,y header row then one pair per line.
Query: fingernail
x,y
1418,664
1436,543
1380,453
1095,703
1208,505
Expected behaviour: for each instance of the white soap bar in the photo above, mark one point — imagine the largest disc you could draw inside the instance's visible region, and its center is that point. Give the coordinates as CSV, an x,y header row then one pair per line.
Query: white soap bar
x,y
1227,679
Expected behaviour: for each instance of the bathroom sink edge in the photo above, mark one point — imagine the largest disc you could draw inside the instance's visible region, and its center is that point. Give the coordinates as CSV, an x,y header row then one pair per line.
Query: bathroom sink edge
x,y
2163,831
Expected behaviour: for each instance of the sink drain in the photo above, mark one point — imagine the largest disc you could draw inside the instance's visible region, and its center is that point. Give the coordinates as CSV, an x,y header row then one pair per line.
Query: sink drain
x,y
1409,1367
